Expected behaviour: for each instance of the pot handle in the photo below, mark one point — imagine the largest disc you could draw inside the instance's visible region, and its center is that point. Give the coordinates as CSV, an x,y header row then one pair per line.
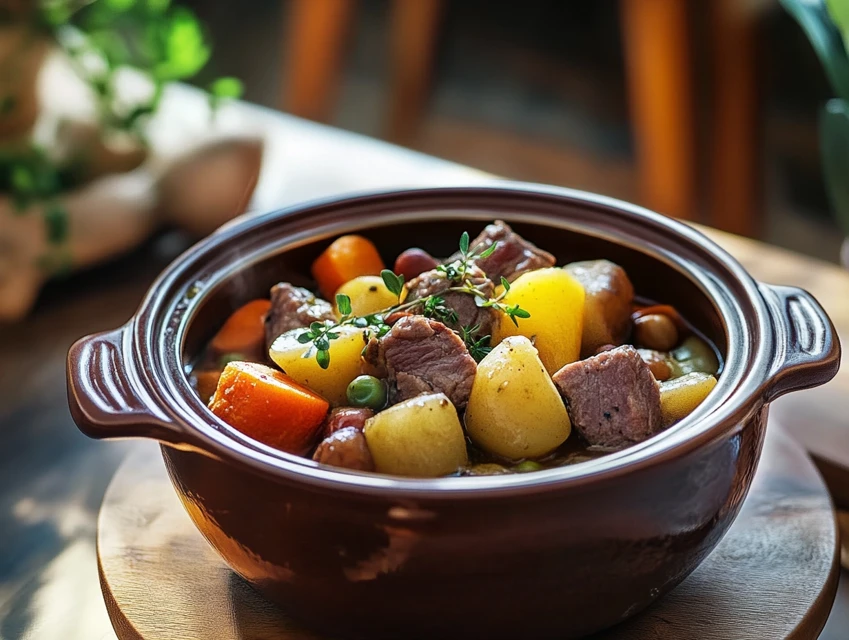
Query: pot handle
x,y
807,347
105,396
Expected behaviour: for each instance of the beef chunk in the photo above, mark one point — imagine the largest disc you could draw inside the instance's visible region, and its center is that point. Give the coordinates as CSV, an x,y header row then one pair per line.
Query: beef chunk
x,y
293,308
344,417
345,448
424,356
607,305
469,314
374,361
513,256
613,399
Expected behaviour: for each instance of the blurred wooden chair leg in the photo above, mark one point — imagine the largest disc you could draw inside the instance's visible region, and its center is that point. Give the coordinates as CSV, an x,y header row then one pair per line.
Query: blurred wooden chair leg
x,y
415,25
314,42
657,60
735,187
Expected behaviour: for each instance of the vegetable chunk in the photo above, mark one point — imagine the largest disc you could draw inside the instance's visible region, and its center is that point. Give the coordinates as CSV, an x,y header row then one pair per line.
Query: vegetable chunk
x,y
298,361
607,306
420,438
368,295
679,397
347,258
515,410
268,406
555,301
244,331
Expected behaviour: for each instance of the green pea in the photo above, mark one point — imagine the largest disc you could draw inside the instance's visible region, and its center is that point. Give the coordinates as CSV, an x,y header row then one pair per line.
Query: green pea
x,y
527,466
367,391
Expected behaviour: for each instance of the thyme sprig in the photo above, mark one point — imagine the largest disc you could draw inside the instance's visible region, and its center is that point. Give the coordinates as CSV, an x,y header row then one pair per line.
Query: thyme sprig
x,y
459,277
478,346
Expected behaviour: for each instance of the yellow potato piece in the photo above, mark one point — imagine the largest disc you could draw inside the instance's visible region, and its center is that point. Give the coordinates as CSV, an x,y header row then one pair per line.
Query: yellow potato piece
x,y
680,396
368,295
555,301
514,410
331,383
421,438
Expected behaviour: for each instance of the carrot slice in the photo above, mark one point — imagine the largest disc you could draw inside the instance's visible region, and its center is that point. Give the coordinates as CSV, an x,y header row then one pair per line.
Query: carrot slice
x,y
269,406
346,258
244,331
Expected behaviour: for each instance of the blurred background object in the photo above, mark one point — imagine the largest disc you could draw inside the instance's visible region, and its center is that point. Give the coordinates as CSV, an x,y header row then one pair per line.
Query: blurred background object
x,y
707,111
79,179
826,24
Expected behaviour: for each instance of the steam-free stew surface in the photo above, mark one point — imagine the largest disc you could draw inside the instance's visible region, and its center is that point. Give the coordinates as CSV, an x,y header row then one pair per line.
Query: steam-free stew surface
x,y
492,360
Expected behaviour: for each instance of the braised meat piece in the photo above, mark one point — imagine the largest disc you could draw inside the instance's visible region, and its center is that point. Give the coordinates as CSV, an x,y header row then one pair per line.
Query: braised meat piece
x,y
344,417
469,314
607,305
420,355
512,257
345,448
293,308
612,398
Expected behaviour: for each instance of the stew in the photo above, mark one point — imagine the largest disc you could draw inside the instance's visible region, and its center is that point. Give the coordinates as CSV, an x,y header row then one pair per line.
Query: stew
x,y
491,361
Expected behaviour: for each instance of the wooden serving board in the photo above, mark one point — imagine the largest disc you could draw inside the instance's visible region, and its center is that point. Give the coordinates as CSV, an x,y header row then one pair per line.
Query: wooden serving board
x,y
774,575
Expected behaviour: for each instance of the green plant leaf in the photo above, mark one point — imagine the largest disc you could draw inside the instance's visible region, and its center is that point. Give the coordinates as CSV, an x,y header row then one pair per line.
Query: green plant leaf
x,y
227,87
157,6
813,17
23,179
322,356
464,243
489,250
120,5
834,147
839,12
184,47
56,220
393,282
343,303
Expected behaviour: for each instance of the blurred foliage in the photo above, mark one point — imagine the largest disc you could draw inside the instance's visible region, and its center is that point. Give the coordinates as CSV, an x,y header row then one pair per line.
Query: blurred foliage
x,y
826,23
157,40
162,42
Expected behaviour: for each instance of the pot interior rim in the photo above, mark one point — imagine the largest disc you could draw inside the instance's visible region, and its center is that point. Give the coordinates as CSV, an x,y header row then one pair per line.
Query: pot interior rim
x,y
176,296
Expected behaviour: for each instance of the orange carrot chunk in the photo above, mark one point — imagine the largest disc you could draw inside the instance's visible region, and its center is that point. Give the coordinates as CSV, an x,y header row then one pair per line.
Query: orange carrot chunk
x,y
244,331
269,406
347,258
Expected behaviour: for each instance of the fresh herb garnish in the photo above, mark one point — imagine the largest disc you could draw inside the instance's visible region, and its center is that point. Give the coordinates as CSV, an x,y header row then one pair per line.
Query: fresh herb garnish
x,y
343,303
478,347
393,281
434,307
459,275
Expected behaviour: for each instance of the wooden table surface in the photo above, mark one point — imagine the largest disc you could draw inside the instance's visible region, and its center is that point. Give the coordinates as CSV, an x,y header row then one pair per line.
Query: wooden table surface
x,y
52,478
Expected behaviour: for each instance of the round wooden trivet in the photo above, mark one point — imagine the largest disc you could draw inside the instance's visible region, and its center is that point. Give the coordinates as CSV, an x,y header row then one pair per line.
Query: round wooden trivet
x,y
774,575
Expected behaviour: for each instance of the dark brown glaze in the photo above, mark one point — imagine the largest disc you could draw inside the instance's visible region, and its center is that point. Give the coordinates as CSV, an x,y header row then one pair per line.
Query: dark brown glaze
x,y
557,553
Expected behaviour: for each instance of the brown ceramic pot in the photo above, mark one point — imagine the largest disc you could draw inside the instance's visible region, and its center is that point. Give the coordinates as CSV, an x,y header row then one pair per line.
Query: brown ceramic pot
x,y
558,553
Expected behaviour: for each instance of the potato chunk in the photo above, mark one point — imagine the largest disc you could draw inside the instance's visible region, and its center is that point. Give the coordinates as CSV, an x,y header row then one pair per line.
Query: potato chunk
x,y
515,410
607,306
368,295
555,301
420,438
301,366
680,396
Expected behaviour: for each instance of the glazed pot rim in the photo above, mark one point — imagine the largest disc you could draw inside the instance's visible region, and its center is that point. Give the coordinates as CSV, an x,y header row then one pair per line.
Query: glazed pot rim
x,y
176,296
